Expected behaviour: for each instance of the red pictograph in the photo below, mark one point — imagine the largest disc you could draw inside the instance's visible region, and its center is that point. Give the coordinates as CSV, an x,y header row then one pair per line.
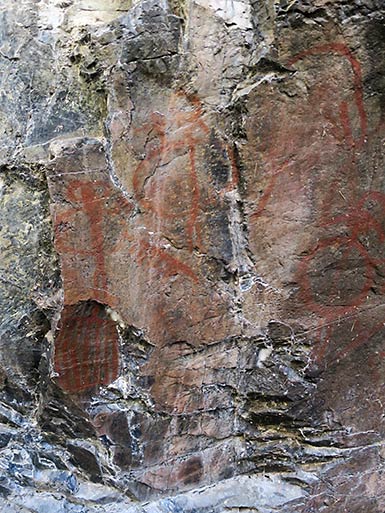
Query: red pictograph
x,y
343,258
86,348
354,144
96,225
180,131
358,222
344,51
354,259
86,344
81,227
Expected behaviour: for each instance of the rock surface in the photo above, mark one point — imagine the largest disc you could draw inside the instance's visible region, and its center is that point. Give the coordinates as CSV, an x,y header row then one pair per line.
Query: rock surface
x,y
192,260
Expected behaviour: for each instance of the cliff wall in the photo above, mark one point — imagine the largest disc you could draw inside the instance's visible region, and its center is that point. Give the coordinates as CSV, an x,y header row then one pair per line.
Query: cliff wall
x,y
192,268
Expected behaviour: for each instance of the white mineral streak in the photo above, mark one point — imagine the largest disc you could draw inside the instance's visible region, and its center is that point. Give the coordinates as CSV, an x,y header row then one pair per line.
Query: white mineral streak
x,y
80,13
236,13
51,14
263,355
240,493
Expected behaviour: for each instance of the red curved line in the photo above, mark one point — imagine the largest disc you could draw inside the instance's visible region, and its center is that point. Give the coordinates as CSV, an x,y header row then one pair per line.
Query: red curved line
x,y
304,280
361,339
343,50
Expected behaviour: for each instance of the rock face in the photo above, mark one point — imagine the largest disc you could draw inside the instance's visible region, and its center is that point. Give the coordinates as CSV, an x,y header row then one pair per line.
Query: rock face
x,y
192,256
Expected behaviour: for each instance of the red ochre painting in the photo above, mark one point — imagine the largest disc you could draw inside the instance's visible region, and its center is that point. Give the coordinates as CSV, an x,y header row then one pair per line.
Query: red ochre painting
x,y
348,215
86,348
95,223
96,208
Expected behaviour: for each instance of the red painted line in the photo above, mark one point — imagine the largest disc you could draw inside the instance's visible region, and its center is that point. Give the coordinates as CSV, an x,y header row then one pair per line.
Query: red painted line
x,y
87,343
148,254
344,51
67,345
306,286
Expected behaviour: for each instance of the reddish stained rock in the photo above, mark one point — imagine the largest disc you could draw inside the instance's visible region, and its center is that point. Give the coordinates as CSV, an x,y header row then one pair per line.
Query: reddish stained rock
x,y
191,471
86,354
89,218
166,248
311,204
319,217
125,253
228,212
243,242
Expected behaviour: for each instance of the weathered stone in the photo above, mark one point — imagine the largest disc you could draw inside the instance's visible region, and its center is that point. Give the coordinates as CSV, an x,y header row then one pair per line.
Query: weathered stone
x,y
192,269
